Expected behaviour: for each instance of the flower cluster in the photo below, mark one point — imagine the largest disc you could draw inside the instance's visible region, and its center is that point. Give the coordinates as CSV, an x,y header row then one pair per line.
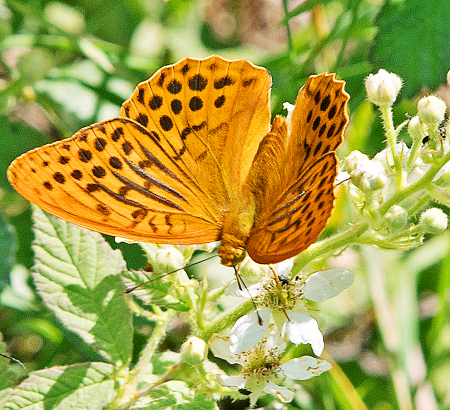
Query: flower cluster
x,y
391,188
258,339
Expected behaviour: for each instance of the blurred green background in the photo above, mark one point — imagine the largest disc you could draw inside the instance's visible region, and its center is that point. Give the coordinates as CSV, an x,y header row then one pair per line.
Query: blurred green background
x,y
67,64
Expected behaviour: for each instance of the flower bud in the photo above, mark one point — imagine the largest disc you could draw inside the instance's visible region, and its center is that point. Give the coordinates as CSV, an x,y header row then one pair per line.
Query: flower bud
x,y
415,129
168,257
396,217
433,221
431,110
369,175
351,162
448,77
194,351
382,88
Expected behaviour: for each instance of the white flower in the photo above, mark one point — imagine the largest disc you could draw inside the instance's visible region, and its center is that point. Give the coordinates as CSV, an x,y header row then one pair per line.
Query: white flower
x,y
261,367
118,239
290,109
382,88
283,303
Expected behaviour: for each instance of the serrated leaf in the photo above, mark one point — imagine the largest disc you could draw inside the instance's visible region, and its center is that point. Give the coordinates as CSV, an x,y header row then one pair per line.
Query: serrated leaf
x,y
153,293
412,41
80,386
77,275
175,395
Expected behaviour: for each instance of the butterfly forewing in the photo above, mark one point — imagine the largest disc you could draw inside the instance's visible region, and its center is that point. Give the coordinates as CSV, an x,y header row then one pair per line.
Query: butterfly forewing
x,y
210,115
95,183
164,171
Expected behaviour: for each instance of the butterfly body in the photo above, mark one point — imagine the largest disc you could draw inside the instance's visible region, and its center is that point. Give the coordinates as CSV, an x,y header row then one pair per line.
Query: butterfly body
x,y
193,159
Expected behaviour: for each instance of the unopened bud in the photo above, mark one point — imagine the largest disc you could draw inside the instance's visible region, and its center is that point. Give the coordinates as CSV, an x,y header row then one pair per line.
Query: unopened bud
x,y
431,110
433,221
382,88
415,129
352,159
168,257
369,175
396,217
194,351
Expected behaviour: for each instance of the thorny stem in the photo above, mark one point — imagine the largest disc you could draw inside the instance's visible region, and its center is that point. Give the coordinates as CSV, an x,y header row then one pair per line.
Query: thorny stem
x,y
421,184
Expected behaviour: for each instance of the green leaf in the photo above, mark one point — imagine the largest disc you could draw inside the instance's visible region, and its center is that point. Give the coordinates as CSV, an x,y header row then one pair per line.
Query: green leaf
x,y
16,139
412,41
175,395
8,247
77,276
79,386
158,292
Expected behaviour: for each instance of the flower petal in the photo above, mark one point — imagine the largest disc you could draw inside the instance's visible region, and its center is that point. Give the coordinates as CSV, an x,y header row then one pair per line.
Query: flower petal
x,y
302,329
250,292
305,368
220,347
274,342
285,394
284,268
247,331
321,286
233,381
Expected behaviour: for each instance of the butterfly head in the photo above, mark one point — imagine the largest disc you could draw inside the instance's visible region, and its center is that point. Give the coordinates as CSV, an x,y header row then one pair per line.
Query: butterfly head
x,y
231,253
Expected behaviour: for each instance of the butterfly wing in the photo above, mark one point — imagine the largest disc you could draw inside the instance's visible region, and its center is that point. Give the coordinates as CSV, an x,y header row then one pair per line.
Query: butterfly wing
x,y
294,171
163,171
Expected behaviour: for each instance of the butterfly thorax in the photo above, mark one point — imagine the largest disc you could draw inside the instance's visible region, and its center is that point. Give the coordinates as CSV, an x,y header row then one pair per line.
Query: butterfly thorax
x,y
237,223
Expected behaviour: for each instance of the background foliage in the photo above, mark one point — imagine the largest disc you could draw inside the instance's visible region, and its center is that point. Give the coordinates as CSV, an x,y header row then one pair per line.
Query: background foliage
x,y
67,64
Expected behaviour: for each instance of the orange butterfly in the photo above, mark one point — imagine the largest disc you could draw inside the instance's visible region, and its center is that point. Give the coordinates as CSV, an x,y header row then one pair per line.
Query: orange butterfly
x,y
193,159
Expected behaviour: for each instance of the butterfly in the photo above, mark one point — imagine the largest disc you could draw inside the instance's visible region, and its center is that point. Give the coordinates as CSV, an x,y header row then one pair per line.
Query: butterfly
x,y
193,159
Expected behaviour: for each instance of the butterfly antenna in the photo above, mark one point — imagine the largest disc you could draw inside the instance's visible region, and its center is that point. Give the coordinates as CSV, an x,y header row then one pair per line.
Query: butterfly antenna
x,y
239,281
280,288
13,359
129,290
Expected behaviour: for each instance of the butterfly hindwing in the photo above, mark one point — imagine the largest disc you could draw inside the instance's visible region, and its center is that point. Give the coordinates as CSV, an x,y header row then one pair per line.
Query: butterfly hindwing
x,y
294,171
299,216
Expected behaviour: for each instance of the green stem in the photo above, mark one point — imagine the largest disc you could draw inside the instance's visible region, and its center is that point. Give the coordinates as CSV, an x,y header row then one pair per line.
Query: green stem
x,y
288,29
419,185
226,319
330,244
391,135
